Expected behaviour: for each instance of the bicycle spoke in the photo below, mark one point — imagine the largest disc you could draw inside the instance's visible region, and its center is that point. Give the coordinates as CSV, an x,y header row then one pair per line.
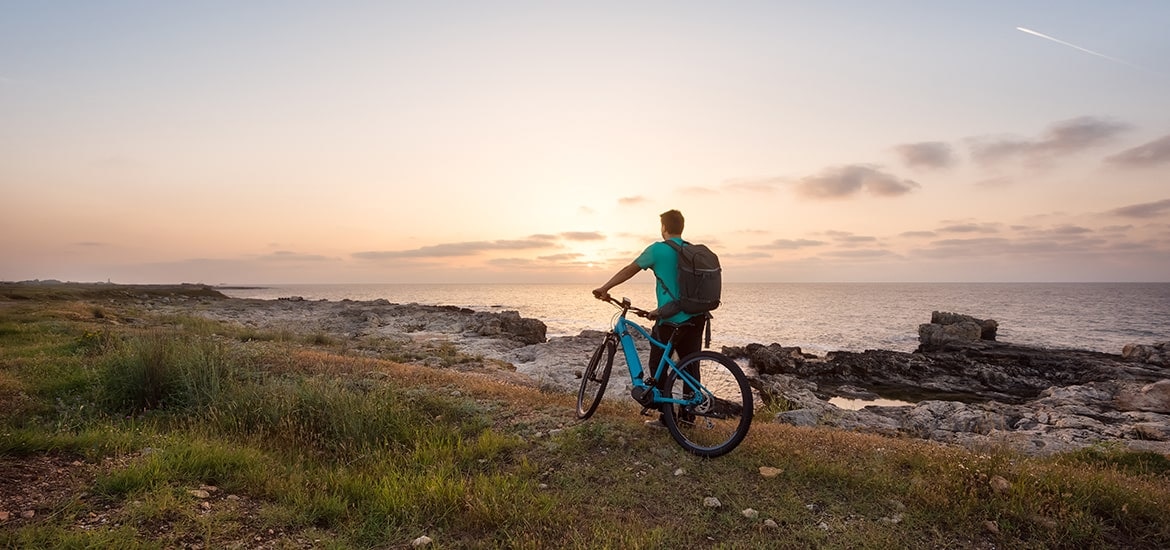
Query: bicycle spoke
x,y
720,421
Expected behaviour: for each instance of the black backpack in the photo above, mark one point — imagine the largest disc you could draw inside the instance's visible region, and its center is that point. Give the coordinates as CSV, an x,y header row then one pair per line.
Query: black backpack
x,y
700,279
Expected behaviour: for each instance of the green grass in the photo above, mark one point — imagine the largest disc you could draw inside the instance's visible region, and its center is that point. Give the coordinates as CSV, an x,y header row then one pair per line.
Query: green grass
x,y
299,440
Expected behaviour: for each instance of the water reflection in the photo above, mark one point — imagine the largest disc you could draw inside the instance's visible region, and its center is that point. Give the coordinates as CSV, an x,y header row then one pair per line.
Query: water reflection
x,y
858,404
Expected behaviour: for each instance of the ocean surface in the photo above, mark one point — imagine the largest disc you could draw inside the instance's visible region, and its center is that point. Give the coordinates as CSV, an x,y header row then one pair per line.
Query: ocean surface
x,y
818,317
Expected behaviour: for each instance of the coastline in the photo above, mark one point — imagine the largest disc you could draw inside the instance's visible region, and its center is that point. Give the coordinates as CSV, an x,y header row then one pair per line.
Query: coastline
x,y
957,394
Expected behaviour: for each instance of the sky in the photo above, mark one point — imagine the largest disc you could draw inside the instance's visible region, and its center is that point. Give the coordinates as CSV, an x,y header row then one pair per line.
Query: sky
x,y
267,142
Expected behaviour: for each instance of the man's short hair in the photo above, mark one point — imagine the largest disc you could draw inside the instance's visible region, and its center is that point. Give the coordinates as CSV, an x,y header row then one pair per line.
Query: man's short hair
x,y
672,221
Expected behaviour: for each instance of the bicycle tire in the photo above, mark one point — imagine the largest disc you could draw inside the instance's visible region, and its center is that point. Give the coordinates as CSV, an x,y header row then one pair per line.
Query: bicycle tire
x,y
595,378
719,424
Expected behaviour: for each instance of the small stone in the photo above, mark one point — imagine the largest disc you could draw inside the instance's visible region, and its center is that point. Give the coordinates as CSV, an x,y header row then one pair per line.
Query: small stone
x,y
750,513
199,493
892,520
28,514
209,488
712,502
768,471
771,524
823,526
205,505
542,486
680,472
421,541
991,527
999,485
4,516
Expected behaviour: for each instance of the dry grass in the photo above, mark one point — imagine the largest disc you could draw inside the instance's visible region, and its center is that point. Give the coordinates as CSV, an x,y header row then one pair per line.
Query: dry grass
x,y
308,444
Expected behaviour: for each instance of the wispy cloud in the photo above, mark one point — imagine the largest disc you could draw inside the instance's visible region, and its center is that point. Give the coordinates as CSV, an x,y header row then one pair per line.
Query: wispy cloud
x,y
1143,210
850,239
969,227
289,256
753,185
788,244
629,201
1150,154
1062,138
583,236
451,250
846,181
928,154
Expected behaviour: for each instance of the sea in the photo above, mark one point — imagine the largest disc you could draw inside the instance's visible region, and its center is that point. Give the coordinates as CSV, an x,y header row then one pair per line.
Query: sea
x,y
817,317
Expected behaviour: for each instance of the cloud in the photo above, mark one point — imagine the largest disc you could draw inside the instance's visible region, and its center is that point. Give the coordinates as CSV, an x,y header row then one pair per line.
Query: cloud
x,y
1143,210
583,236
90,244
1150,154
844,181
919,234
450,250
566,257
788,244
1062,138
969,228
756,185
928,154
288,256
630,201
850,239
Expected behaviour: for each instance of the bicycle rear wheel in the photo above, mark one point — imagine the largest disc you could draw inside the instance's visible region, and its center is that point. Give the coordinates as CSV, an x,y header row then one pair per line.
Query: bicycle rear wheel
x,y
595,377
720,422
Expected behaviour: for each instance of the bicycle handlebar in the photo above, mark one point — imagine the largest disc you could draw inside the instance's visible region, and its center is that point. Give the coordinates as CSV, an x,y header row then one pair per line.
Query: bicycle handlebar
x,y
624,303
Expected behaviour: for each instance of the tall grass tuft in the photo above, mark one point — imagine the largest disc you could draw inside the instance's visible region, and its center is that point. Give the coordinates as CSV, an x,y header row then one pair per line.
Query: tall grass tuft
x,y
165,370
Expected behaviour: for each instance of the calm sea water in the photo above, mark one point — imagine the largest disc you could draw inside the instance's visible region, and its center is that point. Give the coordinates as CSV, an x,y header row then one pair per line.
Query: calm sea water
x,y
821,317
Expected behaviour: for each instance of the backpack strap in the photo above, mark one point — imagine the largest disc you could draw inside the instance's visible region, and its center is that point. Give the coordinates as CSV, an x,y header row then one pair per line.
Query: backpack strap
x,y
677,248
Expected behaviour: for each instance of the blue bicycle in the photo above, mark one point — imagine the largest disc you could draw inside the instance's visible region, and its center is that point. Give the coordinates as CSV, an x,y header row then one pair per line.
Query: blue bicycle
x,y
704,398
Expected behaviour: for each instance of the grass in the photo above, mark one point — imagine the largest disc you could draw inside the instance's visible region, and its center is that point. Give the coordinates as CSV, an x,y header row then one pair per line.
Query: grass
x,y
200,433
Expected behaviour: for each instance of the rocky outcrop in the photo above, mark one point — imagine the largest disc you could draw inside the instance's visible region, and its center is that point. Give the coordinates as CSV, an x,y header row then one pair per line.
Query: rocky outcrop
x,y
976,392
1155,354
946,328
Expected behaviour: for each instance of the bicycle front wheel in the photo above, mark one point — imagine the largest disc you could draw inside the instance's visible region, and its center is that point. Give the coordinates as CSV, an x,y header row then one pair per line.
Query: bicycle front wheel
x,y
719,422
595,378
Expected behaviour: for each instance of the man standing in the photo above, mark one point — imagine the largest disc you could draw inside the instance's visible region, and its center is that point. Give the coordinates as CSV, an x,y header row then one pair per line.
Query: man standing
x,y
685,329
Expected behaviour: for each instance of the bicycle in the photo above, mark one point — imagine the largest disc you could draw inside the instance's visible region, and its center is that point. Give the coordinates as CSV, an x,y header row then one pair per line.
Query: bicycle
x,y
703,423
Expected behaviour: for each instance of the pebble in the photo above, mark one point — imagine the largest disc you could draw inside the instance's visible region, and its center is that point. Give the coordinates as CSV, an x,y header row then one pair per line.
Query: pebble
x,y
768,471
199,493
421,541
4,516
771,524
680,472
712,502
28,514
750,513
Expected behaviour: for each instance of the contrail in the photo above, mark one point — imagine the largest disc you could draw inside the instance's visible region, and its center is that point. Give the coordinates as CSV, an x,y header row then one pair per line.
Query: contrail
x,y
1088,51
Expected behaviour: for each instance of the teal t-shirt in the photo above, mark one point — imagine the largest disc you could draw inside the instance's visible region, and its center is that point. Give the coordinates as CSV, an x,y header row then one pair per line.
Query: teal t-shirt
x,y
663,261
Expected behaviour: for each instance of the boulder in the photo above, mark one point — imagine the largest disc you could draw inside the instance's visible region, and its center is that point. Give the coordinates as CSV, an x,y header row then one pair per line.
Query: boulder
x,y
945,328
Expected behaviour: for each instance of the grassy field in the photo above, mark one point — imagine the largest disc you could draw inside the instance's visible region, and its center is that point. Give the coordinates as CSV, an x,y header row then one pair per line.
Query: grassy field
x,y
123,429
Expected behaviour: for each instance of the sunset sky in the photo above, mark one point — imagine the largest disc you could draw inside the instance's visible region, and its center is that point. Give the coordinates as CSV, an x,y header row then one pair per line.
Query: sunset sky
x,y
252,142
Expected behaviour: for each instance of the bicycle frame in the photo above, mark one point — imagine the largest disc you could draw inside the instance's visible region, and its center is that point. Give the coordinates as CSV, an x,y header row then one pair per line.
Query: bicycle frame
x,y
622,327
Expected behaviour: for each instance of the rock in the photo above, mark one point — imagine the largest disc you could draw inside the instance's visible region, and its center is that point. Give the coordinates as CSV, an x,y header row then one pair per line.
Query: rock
x,y
768,471
4,515
28,514
953,327
771,524
1155,354
712,502
999,485
799,417
421,541
199,493
750,513
991,527
1154,397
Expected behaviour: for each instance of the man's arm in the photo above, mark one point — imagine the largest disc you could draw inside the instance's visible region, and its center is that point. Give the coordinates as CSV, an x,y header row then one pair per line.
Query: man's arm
x,y
623,275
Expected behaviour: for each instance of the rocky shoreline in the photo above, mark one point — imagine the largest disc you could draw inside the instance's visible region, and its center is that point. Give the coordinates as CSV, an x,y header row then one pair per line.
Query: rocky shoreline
x,y
965,388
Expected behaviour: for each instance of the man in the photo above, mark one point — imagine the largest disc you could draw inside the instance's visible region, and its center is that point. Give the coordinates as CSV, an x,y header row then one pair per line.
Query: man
x,y
685,329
